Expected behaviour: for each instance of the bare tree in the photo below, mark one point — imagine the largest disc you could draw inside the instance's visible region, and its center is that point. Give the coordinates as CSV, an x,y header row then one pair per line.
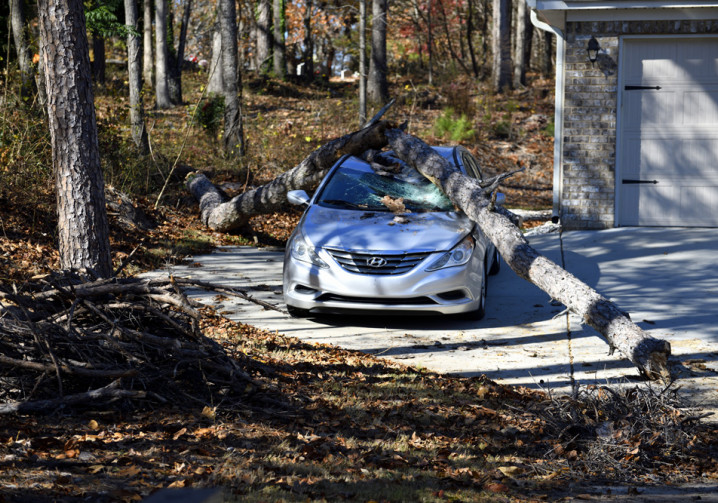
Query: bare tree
x,y
501,44
19,37
134,69
147,59
162,91
233,129
377,87
279,49
83,232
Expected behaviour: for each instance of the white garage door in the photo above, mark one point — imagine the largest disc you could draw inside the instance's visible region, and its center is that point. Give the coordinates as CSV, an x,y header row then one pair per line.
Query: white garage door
x,y
668,139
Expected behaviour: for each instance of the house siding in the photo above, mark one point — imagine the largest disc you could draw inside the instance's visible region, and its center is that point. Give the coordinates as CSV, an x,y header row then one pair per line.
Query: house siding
x,y
590,115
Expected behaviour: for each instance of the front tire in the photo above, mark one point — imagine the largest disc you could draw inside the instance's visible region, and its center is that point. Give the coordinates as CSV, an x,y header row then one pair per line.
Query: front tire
x,y
496,266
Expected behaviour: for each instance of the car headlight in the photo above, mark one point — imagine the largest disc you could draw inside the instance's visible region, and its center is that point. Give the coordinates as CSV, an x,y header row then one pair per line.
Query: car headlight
x,y
459,255
303,251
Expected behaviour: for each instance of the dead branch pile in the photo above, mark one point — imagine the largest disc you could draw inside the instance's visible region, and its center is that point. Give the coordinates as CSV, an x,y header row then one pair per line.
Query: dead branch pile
x,y
67,341
623,432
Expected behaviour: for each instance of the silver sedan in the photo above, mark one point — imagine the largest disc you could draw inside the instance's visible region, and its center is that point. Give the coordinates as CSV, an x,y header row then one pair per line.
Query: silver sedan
x,y
378,236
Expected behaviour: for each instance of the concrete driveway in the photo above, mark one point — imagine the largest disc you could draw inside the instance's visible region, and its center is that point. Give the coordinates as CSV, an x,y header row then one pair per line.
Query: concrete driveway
x,y
666,278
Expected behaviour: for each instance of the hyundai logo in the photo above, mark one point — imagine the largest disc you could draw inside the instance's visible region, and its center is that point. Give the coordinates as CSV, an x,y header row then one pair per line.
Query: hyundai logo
x,y
375,262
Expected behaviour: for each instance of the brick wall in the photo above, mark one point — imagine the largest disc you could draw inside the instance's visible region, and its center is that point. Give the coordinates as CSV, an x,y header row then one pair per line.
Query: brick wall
x,y
590,112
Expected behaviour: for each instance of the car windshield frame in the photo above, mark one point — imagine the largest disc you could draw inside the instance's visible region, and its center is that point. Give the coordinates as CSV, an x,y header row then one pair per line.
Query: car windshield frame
x,y
357,185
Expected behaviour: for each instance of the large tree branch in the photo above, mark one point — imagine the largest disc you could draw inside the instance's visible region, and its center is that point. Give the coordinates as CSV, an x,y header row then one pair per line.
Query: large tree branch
x,y
221,214
648,354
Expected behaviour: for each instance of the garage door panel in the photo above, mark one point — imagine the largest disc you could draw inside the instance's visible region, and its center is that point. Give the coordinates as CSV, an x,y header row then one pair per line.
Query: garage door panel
x,y
668,158
700,107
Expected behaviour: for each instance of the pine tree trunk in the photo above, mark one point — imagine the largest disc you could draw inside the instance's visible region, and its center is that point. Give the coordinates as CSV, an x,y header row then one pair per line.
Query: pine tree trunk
x,y
648,354
83,232
362,62
134,69
308,56
520,46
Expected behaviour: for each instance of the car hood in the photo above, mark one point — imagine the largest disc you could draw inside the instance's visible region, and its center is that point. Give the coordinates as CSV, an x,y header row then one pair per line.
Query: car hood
x,y
380,231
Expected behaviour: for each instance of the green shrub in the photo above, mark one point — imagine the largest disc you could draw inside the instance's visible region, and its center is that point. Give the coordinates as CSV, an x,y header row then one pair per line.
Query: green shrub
x,y
457,130
209,114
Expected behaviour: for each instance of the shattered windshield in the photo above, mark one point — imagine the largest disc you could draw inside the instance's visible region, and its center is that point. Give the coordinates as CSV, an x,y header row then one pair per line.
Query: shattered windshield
x,y
361,187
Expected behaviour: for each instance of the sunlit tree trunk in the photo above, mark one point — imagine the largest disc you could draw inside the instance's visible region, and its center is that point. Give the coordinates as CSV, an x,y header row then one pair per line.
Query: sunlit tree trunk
x,y
521,39
216,83
134,69
147,59
233,129
279,49
83,233
162,92
377,87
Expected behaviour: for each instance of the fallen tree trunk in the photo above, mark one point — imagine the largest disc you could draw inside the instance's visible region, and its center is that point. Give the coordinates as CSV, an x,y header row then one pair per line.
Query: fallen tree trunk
x,y
221,214
648,354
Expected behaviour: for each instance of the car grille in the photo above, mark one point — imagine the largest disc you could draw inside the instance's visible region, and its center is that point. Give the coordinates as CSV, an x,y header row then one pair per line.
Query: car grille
x,y
377,263
332,297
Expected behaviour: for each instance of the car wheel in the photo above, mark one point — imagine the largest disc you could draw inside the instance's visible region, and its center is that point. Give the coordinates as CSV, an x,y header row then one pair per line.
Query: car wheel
x,y
296,312
496,266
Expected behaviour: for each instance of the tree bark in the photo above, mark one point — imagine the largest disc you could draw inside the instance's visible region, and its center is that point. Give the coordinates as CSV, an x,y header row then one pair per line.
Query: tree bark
x,y
501,44
362,62
520,60
162,92
377,87
279,49
264,37
233,128
216,83
308,56
83,232
221,214
134,69
19,37
648,354
99,63
147,59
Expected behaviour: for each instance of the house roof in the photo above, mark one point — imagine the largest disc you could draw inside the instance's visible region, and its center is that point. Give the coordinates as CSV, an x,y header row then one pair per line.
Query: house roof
x,y
557,12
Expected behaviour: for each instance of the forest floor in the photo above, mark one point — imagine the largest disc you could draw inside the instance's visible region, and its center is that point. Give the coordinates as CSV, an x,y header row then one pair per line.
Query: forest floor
x,y
319,423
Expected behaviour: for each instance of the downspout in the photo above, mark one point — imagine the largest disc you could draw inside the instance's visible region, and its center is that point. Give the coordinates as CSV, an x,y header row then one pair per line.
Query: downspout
x,y
558,114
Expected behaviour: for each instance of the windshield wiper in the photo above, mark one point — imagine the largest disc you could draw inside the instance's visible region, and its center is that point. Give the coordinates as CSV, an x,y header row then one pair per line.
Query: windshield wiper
x,y
343,204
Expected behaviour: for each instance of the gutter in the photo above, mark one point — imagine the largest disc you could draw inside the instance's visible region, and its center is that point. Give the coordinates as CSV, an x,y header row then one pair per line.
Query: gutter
x,y
558,113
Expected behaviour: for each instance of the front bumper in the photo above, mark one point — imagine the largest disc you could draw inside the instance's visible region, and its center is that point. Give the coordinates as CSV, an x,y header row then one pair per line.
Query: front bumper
x,y
334,290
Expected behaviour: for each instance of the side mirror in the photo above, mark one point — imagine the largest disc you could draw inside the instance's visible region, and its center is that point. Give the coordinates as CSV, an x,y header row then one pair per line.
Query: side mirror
x,y
298,197
500,198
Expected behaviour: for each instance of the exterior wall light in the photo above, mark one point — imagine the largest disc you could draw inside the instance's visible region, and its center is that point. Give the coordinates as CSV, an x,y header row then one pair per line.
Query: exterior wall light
x,y
592,49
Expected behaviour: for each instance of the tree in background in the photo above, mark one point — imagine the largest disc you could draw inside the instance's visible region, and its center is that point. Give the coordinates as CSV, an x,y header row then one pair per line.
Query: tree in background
x,y
83,232
501,45
377,86
233,128
147,56
308,53
162,92
134,71
264,36
22,48
278,46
